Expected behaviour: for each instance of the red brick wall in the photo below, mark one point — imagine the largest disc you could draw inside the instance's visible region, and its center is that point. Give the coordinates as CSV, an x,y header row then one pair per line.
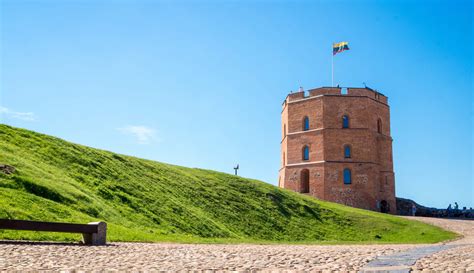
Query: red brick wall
x,y
371,161
358,194
316,179
312,108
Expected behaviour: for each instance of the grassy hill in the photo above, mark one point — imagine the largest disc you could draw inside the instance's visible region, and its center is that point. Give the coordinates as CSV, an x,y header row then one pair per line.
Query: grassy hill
x,y
143,200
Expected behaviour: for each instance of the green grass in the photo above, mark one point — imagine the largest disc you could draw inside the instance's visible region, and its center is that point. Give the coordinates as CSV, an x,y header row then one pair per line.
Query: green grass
x,y
143,200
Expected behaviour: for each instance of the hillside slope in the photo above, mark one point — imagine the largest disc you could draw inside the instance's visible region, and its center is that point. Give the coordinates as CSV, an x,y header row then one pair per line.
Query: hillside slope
x,y
143,200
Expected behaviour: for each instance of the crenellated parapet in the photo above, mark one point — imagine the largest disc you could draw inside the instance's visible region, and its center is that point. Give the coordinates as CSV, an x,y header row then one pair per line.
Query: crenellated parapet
x,y
337,91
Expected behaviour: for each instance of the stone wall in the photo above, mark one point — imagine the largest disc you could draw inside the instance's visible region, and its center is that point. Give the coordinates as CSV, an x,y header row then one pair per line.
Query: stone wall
x,y
404,207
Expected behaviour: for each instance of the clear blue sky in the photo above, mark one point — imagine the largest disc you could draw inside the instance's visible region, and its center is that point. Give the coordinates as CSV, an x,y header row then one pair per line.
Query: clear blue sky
x,y
200,84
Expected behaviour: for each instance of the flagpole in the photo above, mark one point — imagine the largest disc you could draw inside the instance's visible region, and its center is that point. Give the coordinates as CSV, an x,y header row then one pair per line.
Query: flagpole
x,y
332,70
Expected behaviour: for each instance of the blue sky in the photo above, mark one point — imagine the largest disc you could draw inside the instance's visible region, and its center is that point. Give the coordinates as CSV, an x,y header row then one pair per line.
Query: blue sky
x,y
200,84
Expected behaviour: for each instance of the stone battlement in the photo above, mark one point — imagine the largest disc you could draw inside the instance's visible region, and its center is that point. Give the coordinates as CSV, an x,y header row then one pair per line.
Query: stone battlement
x,y
337,91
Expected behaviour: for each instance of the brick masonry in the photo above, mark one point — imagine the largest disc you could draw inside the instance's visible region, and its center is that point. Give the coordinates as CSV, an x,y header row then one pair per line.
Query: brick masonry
x,y
368,136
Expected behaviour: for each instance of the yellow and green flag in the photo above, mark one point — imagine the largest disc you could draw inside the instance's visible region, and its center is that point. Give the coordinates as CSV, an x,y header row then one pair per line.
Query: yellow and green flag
x,y
339,47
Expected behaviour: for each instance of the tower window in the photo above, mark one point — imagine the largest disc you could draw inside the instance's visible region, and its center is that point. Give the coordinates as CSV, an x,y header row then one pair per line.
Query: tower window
x,y
304,183
347,176
284,130
379,126
305,124
306,153
345,121
347,151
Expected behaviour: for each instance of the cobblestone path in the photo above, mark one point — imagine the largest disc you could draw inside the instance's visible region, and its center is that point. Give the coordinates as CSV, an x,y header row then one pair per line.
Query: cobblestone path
x,y
160,256
458,257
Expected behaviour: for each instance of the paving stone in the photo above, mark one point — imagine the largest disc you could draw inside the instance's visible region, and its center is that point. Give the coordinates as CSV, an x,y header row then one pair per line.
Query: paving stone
x,y
452,256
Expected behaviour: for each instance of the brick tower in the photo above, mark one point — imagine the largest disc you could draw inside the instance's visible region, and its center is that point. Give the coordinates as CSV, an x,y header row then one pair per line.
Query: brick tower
x,y
336,146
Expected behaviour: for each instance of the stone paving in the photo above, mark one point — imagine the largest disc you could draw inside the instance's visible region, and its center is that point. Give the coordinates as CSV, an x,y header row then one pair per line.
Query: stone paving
x,y
403,261
217,257
459,257
448,256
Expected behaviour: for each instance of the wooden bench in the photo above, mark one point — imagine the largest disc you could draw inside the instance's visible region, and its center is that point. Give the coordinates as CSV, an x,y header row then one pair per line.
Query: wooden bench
x,y
92,233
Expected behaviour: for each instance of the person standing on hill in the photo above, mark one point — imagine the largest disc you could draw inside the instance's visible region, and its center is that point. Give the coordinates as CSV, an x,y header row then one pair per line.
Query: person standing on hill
x,y
413,209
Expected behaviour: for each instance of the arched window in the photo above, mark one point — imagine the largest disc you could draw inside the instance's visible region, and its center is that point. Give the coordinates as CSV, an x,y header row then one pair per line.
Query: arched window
x,y
305,153
345,121
347,176
305,124
304,181
283,159
347,151
379,126
284,130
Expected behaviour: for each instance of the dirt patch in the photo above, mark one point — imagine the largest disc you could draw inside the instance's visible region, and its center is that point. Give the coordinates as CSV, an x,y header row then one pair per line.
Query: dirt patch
x,y
7,169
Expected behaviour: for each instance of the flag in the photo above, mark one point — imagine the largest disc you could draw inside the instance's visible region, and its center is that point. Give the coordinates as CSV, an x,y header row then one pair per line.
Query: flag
x,y
339,47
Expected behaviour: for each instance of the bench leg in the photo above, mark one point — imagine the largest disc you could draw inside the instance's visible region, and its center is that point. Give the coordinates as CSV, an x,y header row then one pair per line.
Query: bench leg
x,y
96,239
